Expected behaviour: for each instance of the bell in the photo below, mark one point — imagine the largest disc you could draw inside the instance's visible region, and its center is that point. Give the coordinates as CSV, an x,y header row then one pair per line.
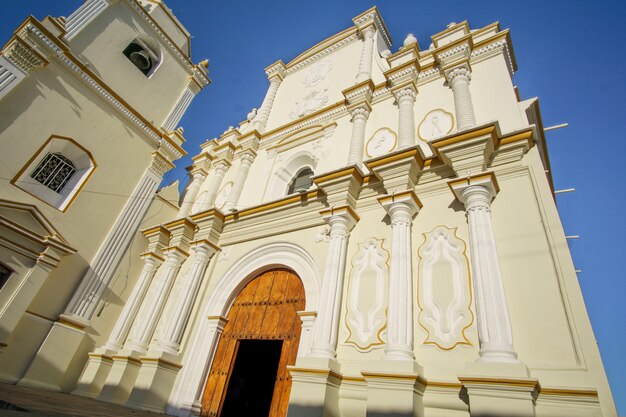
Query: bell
x,y
141,59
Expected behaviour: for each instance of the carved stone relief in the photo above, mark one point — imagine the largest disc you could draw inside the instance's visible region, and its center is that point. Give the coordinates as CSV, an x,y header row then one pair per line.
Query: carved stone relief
x,y
382,142
220,200
435,124
316,88
444,289
366,315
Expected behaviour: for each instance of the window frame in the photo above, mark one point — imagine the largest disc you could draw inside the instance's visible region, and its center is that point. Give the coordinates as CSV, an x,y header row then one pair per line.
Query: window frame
x,y
292,182
83,161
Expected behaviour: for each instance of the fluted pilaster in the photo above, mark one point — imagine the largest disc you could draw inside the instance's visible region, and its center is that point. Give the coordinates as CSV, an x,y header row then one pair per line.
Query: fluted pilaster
x,y
215,181
359,122
405,98
245,162
327,323
191,194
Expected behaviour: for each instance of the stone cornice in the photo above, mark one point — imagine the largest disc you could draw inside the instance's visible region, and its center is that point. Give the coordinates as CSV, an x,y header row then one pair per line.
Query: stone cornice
x,y
370,16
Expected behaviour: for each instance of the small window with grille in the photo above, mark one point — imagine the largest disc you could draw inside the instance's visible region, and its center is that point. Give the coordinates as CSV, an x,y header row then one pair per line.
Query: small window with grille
x,y
5,273
54,171
301,182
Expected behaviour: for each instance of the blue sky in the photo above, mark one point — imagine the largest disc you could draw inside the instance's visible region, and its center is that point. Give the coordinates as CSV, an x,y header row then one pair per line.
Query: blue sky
x,y
569,53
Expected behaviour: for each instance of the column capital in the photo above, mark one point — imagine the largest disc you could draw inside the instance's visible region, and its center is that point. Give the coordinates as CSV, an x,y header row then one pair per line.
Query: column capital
x,y
247,156
371,19
406,91
158,239
463,71
341,220
404,70
483,186
455,53
160,164
406,199
181,231
342,187
398,171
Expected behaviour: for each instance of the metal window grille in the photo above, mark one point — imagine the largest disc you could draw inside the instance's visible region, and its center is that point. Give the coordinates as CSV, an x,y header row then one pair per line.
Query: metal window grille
x,y
302,181
5,273
54,171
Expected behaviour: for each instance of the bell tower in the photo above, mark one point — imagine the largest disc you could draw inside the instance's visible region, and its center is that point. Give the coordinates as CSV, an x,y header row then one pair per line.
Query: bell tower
x,y
142,51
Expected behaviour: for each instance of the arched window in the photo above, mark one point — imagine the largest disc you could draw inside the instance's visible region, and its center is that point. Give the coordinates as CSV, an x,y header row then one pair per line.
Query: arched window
x,y
57,172
54,171
302,181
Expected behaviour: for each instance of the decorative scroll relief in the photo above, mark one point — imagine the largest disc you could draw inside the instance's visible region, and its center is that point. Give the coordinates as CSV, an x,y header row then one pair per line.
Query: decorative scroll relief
x,y
222,196
381,143
435,124
316,89
444,289
366,315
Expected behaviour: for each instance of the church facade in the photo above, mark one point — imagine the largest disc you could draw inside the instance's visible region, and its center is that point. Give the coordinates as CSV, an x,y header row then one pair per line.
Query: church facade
x,y
379,237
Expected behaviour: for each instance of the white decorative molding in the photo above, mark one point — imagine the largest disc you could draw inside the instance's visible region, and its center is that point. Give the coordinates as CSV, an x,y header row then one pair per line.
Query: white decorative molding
x,y
444,289
199,353
279,182
83,16
383,141
317,97
366,312
10,76
322,234
334,47
435,124
502,45
220,200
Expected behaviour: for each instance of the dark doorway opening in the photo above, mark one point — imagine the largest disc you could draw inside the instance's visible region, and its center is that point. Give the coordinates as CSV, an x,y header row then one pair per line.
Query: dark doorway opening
x,y
251,384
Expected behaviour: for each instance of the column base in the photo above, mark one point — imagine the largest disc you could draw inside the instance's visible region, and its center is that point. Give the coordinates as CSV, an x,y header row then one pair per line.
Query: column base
x,y
314,388
121,378
500,389
95,374
154,382
59,361
396,388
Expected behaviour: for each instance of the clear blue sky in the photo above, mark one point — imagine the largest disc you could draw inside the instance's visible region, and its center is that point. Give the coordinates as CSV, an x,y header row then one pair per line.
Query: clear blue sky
x,y
570,54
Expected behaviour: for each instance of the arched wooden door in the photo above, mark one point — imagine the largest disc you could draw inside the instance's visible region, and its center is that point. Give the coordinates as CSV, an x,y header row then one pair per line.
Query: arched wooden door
x,y
261,337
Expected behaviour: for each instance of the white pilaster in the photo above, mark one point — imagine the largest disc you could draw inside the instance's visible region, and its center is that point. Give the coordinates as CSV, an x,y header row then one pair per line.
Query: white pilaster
x,y
365,64
179,109
192,193
129,312
169,340
359,121
308,321
215,181
83,15
458,79
245,162
327,324
263,114
150,311
85,300
494,326
405,98
401,210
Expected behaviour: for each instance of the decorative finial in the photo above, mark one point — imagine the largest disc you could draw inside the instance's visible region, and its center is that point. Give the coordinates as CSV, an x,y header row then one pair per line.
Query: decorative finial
x,y
252,114
205,63
385,53
410,38
451,24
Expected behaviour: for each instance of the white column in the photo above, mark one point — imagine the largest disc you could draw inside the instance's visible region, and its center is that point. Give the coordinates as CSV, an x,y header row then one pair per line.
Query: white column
x,y
169,340
215,180
245,162
365,64
191,194
83,304
359,121
152,306
400,308
129,312
494,326
263,114
459,79
327,323
405,98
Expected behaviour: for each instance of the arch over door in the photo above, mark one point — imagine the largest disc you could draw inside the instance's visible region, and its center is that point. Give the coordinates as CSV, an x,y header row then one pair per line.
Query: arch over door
x,y
266,309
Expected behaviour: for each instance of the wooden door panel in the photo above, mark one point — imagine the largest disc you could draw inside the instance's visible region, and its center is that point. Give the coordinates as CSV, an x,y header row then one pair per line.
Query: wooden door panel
x,y
264,309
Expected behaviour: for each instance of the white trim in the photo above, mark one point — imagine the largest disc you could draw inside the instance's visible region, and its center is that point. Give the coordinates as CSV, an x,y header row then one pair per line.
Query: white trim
x,y
197,361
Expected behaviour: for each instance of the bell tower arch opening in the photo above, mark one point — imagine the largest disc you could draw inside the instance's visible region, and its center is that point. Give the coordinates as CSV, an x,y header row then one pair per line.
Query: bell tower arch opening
x,y
249,374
